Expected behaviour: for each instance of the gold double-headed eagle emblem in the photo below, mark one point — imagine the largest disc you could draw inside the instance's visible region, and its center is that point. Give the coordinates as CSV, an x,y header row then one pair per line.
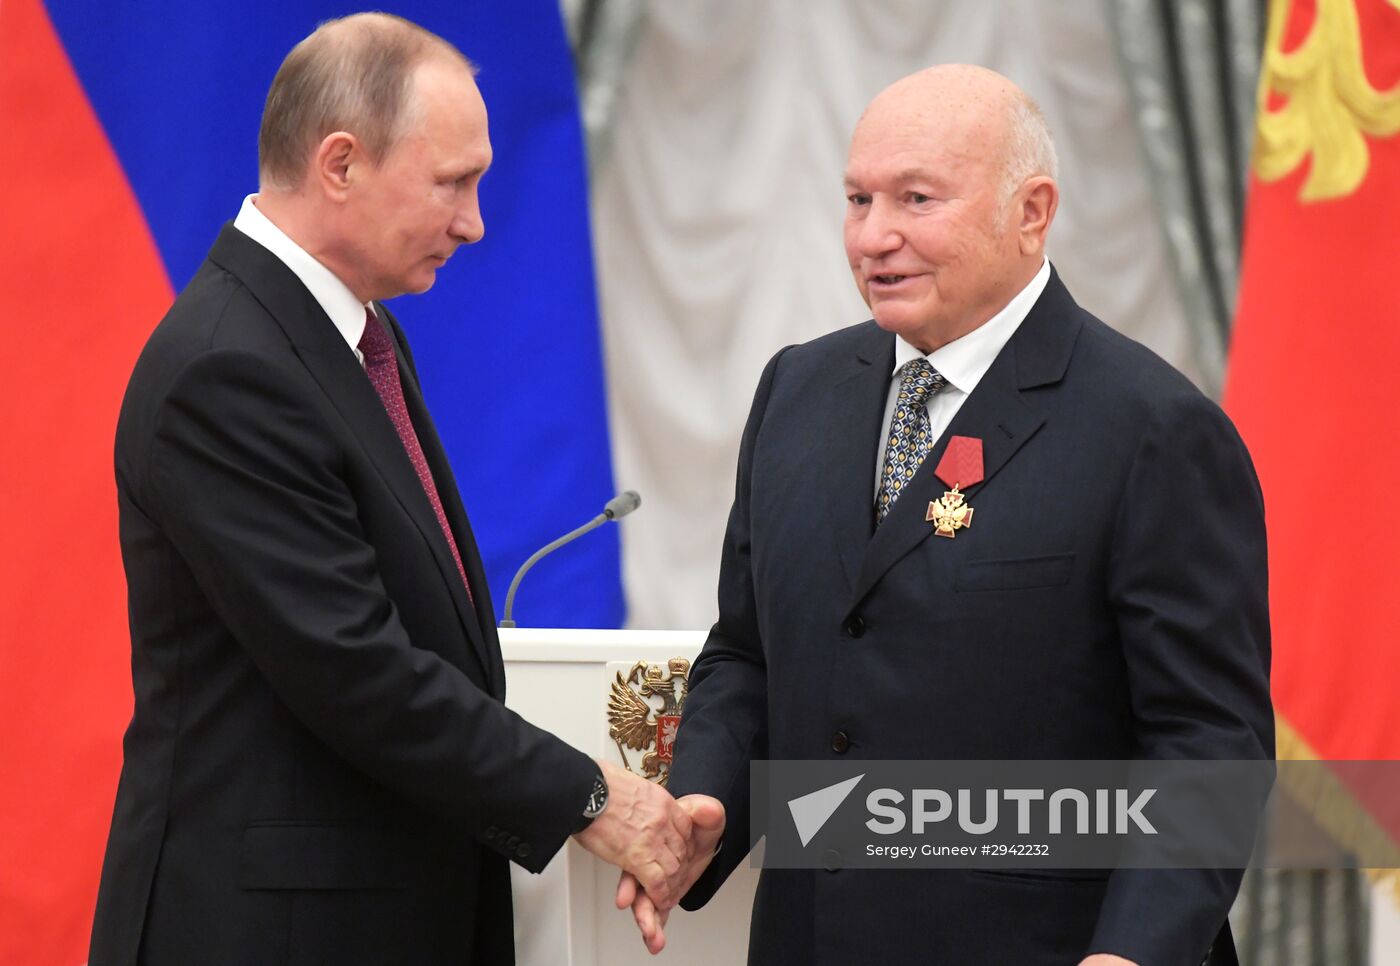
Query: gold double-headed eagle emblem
x,y
949,514
635,722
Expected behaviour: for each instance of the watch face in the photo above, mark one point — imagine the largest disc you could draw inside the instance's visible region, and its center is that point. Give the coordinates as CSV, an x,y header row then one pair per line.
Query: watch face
x,y
597,798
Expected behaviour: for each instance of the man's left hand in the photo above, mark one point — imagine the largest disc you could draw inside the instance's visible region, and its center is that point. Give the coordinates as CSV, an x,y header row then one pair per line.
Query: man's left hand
x,y
1106,959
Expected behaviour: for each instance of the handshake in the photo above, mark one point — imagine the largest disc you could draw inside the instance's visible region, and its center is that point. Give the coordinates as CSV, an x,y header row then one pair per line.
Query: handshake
x,y
662,844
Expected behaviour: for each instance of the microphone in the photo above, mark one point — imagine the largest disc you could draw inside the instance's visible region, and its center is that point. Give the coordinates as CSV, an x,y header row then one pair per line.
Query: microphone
x,y
615,509
622,504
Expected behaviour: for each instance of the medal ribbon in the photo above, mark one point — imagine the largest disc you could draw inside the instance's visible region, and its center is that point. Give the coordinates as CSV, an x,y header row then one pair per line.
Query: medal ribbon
x,y
961,465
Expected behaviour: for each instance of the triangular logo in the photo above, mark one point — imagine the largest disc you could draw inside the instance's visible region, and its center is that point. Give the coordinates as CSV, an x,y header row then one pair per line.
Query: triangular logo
x,y
810,811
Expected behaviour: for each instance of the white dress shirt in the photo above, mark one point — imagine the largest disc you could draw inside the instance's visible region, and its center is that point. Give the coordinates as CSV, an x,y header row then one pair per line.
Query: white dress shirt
x,y
346,311
963,362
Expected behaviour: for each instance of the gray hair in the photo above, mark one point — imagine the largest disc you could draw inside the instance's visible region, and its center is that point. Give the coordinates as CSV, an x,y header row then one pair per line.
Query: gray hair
x,y
351,74
1030,150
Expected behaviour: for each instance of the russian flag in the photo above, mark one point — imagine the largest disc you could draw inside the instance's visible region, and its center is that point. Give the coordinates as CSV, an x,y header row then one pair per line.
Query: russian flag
x,y
130,135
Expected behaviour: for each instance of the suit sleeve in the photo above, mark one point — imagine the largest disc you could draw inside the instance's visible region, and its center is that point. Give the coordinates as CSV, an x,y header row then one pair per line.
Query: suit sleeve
x,y
725,725
1188,583
250,487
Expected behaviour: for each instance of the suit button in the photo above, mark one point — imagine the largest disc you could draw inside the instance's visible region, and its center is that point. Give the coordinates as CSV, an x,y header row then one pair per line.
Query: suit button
x,y
854,626
492,832
833,860
524,850
512,842
840,742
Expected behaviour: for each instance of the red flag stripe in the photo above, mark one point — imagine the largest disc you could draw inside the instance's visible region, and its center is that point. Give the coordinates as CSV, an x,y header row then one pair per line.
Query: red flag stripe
x,y
82,284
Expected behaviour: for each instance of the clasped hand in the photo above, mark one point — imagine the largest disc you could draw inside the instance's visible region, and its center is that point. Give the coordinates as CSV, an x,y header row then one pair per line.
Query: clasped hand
x,y
662,844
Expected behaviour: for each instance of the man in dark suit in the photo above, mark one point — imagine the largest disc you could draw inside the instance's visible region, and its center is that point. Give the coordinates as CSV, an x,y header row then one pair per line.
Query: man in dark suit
x,y
1107,599
320,768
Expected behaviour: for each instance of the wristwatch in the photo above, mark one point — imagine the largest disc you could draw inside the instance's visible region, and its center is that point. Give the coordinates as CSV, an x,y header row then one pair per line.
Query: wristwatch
x,y
597,801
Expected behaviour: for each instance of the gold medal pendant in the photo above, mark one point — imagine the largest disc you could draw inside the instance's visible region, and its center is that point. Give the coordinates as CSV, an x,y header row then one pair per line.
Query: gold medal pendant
x,y
949,514
960,466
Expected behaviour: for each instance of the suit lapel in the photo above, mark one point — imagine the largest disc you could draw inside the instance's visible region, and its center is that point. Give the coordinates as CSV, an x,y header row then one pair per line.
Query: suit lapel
x,y
479,620
323,351
851,440
997,412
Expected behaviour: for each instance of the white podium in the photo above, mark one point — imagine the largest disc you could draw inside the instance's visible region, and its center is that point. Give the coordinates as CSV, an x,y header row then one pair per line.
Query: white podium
x,y
560,680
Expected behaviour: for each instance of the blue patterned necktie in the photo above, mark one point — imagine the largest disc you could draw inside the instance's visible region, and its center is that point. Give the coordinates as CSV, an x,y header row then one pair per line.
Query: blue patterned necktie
x,y
910,435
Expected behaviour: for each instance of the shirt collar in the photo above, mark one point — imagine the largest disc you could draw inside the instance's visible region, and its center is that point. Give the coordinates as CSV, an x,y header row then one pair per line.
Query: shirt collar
x,y
345,311
964,361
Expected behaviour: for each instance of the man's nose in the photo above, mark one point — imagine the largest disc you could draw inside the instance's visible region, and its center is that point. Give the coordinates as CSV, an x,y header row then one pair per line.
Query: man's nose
x,y
879,230
467,223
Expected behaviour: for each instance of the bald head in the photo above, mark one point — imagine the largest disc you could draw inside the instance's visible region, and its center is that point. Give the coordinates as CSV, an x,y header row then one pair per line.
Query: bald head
x,y
984,111
353,74
951,191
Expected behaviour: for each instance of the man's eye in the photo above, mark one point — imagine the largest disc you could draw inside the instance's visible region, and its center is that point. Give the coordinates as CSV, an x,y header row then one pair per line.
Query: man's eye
x,y
858,199
918,198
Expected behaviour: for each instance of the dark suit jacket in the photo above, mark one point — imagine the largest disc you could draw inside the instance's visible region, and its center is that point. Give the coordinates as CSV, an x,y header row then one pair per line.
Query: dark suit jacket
x,y
1108,602
319,767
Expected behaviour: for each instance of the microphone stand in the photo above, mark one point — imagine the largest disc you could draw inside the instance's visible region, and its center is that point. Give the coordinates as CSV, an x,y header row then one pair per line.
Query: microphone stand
x,y
617,507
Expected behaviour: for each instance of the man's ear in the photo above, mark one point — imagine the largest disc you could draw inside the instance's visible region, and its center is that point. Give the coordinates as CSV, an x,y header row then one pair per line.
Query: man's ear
x,y
1039,198
333,165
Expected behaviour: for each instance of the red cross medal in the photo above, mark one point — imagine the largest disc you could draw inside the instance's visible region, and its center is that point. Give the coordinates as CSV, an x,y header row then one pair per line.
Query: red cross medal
x,y
960,466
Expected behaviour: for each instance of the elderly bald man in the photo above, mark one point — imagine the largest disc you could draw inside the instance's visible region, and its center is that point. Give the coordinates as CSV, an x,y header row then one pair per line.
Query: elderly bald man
x,y
1108,601
319,767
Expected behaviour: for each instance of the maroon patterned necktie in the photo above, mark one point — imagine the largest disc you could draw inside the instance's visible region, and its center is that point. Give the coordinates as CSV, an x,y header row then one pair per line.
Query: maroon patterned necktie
x,y
382,367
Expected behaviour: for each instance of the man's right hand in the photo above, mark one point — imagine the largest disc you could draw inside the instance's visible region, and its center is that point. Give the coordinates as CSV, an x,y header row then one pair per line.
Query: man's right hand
x,y
707,817
643,831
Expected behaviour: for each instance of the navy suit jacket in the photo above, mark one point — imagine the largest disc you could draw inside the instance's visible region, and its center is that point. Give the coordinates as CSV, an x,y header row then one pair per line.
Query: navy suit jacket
x,y
1109,601
319,767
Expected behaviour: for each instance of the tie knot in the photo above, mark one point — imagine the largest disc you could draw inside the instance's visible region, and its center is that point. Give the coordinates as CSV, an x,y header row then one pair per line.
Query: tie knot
x,y
374,343
920,380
